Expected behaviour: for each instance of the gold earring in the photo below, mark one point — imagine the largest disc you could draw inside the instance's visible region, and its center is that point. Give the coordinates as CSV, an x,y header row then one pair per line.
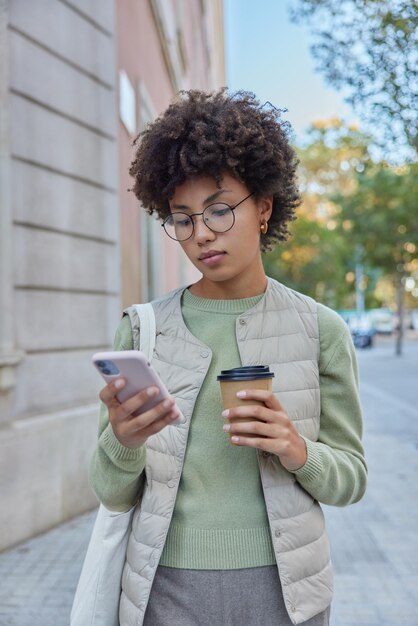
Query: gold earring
x,y
264,227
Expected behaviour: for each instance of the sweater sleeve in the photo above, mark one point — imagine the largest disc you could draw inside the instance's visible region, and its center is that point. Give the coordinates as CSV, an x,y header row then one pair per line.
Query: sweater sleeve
x,y
335,472
116,472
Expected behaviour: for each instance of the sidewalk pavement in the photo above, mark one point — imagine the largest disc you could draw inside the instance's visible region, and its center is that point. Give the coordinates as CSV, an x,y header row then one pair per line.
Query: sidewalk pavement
x,y
374,543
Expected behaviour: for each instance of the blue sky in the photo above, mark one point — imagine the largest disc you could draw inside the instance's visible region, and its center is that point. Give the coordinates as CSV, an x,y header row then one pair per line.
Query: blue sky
x,y
268,54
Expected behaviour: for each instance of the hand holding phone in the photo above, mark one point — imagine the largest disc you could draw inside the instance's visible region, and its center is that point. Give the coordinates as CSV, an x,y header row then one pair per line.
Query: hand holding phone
x,y
134,412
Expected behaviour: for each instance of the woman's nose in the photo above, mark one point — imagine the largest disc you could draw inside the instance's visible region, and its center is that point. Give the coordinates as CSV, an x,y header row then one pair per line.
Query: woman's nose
x,y
201,231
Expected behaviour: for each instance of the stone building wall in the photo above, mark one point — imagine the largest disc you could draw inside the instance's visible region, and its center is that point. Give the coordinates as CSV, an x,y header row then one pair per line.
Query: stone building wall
x,y
59,274
78,80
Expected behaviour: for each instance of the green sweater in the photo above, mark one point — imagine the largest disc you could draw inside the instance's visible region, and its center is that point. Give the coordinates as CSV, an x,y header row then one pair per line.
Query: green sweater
x,y
220,520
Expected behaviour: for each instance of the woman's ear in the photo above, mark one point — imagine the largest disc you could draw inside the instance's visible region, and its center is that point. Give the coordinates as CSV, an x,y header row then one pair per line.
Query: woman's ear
x,y
266,208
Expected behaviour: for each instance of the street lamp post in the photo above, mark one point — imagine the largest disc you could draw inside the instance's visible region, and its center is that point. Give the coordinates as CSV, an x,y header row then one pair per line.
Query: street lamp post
x,y
400,293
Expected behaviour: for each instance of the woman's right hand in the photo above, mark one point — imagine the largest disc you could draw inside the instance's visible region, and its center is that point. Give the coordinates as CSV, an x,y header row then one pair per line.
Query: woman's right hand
x,y
133,430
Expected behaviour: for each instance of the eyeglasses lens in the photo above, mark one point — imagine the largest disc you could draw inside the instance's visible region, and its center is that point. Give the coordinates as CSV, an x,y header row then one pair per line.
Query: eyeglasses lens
x,y
219,217
179,226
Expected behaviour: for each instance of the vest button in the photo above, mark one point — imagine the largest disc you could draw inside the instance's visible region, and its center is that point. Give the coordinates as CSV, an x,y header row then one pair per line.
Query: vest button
x,y
278,533
171,483
242,322
204,354
265,454
293,609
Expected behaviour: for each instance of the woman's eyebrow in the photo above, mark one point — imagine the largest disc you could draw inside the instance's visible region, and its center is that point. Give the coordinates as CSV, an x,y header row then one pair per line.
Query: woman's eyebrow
x,y
209,199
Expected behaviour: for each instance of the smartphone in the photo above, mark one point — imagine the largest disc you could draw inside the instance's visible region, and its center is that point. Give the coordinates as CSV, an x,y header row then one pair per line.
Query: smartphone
x,y
132,365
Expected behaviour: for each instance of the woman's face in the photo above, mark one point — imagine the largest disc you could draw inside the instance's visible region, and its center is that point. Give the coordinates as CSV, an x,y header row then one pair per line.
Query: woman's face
x,y
230,262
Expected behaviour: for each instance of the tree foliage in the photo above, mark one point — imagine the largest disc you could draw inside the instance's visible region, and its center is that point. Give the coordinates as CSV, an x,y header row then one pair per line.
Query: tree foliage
x,y
370,49
318,259
381,216
315,261
330,157
354,210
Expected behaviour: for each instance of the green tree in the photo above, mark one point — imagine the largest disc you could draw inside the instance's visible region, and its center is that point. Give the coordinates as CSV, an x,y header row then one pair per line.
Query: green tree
x,y
315,262
318,259
381,217
369,49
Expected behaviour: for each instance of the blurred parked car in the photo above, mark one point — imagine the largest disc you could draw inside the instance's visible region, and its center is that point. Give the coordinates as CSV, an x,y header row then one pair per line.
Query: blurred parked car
x,y
362,338
382,320
414,319
362,330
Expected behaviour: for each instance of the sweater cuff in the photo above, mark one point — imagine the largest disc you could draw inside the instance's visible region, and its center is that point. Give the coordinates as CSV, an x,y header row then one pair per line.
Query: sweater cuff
x,y
313,466
120,455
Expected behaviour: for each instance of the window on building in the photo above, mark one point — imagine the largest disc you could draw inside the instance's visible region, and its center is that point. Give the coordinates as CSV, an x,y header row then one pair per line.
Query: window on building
x,y
151,245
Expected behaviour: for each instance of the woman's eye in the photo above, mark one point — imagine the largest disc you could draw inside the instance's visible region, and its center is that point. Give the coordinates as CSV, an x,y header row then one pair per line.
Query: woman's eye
x,y
220,211
181,222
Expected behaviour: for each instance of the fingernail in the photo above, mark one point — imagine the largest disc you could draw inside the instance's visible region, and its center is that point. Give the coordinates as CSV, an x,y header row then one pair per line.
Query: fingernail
x,y
151,391
227,427
175,415
225,413
119,383
167,403
235,439
241,394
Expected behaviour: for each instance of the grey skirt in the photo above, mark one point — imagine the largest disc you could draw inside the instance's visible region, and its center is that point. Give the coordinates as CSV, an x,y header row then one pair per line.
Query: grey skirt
x,y
242,597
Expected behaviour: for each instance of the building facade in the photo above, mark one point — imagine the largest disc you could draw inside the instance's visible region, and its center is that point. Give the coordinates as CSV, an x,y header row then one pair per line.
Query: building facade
x,y
167,46
78,81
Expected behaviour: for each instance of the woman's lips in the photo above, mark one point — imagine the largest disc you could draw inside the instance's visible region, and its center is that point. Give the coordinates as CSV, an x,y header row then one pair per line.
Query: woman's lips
x,y
211,258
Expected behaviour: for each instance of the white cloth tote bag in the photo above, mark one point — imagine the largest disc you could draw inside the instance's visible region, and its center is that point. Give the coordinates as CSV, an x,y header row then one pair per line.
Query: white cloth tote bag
x,y
96,601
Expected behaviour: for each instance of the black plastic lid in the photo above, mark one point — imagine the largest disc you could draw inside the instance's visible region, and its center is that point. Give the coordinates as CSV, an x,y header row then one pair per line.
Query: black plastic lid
x,y
246,372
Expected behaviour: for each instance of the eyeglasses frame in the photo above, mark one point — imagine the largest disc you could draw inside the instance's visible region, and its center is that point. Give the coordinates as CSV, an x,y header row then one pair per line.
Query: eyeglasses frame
x,y
196,214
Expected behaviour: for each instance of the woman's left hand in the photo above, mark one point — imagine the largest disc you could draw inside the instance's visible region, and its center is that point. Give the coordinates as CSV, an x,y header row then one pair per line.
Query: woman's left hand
x,y
271,429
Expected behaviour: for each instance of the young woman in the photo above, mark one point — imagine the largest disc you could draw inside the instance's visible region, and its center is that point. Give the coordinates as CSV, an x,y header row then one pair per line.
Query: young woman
x,y
230,534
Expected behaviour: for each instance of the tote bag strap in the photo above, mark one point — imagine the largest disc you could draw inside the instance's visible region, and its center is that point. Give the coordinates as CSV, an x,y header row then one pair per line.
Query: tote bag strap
x,y
96,602
147,329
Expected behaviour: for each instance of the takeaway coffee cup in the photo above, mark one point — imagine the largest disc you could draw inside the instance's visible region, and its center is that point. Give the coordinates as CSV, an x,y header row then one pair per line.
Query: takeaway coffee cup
x,y
246,377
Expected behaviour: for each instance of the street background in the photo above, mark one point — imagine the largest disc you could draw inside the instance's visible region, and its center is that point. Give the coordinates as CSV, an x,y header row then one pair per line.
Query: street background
x,y
374,543
78,81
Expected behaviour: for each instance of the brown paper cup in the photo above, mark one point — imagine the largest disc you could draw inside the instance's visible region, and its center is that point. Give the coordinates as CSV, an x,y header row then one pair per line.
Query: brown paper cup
x,y
229,389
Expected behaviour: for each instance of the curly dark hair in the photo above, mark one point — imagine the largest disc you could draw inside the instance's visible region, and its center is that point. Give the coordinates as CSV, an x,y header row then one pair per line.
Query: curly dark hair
x,y
209,134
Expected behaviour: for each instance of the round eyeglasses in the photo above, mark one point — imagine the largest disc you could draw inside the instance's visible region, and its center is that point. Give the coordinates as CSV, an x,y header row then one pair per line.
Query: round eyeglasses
x,y
218,217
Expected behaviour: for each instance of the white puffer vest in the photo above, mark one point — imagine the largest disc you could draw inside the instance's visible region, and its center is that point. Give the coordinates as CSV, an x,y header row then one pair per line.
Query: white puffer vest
x,y
280,331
